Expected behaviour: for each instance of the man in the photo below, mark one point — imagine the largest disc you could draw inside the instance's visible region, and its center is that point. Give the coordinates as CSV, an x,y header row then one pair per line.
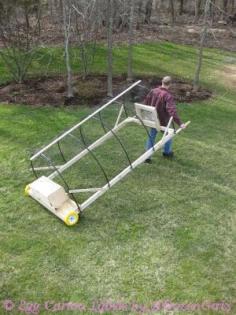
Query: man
x,y
163,101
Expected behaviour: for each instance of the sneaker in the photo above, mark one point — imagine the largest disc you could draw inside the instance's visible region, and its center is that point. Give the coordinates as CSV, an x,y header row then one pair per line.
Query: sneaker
x,y
148,161
168,155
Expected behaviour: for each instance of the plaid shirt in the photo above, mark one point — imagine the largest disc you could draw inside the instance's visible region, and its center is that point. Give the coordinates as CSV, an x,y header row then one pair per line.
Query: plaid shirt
x,y
165,105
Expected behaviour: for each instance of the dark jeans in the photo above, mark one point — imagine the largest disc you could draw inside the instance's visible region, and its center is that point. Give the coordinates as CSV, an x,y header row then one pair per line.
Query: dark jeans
x,y
151,142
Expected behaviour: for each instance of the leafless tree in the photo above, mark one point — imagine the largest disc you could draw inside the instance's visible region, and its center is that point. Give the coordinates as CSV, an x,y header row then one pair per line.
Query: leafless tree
x,y
172,11
67,10
198,4
201,47
19,33
181,7
225,6
131,35
109,46
232,5
86,27
144,11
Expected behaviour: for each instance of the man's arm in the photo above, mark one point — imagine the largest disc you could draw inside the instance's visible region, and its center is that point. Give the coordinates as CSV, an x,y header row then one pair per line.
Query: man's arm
x,y
172,110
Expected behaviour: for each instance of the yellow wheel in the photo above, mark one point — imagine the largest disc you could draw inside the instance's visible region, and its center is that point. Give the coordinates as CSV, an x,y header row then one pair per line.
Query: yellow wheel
x,y
71,218
27,190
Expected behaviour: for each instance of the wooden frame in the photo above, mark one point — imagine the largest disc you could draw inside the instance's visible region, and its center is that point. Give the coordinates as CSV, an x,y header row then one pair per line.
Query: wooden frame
x,y
146,116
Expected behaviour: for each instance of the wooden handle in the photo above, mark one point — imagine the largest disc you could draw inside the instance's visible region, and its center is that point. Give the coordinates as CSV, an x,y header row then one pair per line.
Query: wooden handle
x,y
180,129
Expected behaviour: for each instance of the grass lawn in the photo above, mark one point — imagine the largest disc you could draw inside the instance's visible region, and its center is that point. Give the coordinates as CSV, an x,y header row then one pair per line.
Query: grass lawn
x,y
167,232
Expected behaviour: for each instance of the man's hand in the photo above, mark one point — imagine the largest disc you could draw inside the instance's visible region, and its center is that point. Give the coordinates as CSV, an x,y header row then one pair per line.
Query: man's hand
x,y
183,126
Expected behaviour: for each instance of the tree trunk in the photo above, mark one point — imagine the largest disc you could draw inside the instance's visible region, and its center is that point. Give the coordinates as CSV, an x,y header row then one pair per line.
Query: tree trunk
x,y
225,6
67,30
198,4
109,46
232,5
148,11
172,11
201,47
131,35
212,11
181,7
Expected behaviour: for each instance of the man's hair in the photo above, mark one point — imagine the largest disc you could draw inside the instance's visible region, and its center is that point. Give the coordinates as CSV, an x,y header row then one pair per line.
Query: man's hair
x,y
167,80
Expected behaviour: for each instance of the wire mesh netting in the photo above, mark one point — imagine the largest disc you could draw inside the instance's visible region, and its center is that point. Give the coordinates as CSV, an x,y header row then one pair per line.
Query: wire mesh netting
x,y
95,151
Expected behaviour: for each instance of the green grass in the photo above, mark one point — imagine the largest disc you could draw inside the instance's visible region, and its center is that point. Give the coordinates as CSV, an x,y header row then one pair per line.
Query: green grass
x,y
166,232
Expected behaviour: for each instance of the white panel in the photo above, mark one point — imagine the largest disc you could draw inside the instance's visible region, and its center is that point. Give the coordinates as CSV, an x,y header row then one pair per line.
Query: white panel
x,y
148,115
49,191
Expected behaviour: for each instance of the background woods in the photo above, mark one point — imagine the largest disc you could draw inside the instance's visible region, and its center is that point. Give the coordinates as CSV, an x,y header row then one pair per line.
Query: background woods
x,y
26,26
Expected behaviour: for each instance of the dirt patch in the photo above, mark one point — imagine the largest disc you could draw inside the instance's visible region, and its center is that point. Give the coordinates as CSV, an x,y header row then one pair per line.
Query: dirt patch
x,y
183,91
228,75
91,91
